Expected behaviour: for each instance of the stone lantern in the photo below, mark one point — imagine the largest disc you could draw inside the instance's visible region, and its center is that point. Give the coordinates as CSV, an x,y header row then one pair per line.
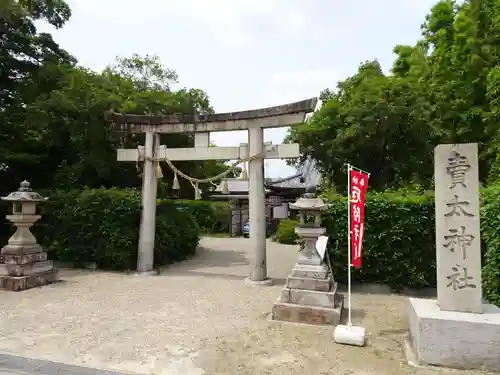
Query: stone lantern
x,y
23,263
309,295
310,209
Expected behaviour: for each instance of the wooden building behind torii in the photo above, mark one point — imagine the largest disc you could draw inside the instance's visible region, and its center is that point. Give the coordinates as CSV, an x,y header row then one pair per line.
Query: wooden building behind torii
x,y
280,192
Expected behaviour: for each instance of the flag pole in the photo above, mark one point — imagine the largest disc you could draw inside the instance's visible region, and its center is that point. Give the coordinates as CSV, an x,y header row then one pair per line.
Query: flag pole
x,y
349,322
349,334
357,169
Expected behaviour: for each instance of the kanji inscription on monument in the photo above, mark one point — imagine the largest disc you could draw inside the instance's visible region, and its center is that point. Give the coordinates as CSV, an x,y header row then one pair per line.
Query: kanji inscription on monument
x,y
458,243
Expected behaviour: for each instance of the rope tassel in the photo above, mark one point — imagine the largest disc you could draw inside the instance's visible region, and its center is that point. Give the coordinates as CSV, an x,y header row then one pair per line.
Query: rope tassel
x,y
197,192
221,176
244,174
159,173
175,184
225,187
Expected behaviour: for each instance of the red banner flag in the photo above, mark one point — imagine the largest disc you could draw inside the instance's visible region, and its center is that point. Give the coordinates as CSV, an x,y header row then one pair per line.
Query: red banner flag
x,y
358,185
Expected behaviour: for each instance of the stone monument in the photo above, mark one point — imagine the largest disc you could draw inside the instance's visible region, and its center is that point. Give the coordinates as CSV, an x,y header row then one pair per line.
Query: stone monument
x,y
309,295
458,329
23,263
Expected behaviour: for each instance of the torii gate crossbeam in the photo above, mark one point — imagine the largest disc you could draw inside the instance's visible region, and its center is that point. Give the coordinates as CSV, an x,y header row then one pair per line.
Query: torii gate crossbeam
x,y
255,121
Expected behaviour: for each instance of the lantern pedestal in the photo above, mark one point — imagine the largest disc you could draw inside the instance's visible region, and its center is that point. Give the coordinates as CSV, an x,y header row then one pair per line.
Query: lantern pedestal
x,y
310,293
33,275
309,306
23,263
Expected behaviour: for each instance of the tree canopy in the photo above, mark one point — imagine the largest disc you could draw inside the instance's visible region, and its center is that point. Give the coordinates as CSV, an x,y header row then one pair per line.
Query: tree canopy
x,y
52,109
443,89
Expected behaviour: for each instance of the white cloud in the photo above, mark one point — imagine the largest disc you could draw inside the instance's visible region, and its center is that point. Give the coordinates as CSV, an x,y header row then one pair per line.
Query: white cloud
x,y
291,86
245,53
282,88
244,22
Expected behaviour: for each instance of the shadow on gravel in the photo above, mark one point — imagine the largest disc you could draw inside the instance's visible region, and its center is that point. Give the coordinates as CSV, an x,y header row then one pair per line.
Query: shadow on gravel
x,y
207,257
217,275
13,365
213,263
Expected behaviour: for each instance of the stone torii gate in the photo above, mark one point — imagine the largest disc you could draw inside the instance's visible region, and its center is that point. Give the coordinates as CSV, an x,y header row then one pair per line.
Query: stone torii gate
x,y
201,125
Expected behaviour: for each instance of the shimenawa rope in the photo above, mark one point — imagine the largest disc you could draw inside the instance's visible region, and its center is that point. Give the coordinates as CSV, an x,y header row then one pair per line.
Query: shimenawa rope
x,y
193,180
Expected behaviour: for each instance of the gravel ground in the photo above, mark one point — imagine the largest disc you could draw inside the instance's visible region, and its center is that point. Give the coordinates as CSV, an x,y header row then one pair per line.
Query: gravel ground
x,y
196,318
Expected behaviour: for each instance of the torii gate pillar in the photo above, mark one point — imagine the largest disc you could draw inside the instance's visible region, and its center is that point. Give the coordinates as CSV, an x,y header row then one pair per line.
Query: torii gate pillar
x,y
145,251
201,125
257,208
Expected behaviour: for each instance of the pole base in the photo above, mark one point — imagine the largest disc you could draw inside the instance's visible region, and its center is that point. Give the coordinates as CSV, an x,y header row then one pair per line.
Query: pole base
x,y
266,282
349,335
145,273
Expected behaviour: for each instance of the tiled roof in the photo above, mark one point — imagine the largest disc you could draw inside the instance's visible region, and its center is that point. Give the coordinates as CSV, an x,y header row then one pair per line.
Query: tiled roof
x,y
235,186
306,175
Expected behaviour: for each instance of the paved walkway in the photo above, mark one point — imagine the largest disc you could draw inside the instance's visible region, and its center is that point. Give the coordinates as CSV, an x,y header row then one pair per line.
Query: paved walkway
x,y
196,318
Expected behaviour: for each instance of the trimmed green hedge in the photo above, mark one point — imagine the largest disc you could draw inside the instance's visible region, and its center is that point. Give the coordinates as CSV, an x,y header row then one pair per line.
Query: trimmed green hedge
x,y
212,217
6,229
102,226
286,232
490,233
399,244
109,220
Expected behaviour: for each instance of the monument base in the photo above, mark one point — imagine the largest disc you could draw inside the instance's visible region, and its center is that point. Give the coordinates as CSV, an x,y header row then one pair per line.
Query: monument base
x,y
309,296
454,339
19,283
349,335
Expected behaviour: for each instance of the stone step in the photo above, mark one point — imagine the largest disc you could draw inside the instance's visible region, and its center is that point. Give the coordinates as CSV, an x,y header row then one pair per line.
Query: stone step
x,y
16,284
311,271
308,283
25,269
23,259
21,249
309,297
290,312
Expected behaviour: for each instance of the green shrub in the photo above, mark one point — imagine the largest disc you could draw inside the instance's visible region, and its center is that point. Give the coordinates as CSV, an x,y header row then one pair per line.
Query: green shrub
x,y
5,226
399,242
490,233
177,233
212,217
286,232
102,226
399,246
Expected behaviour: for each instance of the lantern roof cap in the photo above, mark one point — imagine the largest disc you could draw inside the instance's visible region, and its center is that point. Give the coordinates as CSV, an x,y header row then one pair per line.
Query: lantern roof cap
x,y
308,202
24,194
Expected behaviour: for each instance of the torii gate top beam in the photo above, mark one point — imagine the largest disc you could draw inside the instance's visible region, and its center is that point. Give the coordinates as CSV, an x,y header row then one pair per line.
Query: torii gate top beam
x,y
271,117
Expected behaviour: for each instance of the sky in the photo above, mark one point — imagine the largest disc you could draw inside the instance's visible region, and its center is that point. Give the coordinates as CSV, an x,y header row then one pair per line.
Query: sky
x,y
245,54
